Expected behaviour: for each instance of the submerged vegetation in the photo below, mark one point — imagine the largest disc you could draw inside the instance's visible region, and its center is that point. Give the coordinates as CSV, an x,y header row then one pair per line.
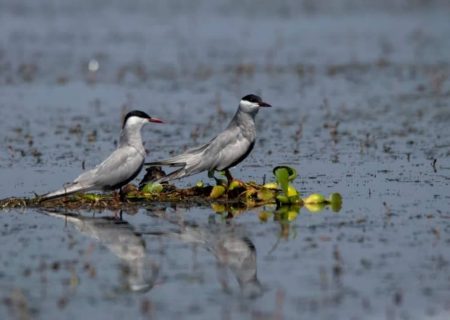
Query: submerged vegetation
x,y
280,197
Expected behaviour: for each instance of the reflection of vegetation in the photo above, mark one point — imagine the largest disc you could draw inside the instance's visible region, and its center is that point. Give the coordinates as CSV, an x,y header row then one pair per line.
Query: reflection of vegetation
x,y
230,199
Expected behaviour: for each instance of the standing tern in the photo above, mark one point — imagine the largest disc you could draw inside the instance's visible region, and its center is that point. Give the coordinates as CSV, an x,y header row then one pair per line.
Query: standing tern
x,y
122,166
226,150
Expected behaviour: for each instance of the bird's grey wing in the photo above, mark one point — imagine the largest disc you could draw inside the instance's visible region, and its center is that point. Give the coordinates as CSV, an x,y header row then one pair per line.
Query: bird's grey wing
x,y
180,160
208,156
228,149
122,164
225,150
194,160
220,153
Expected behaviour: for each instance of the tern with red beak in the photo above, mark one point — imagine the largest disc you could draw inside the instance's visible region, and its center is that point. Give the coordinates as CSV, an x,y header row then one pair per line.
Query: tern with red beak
x,y
122,166
226,150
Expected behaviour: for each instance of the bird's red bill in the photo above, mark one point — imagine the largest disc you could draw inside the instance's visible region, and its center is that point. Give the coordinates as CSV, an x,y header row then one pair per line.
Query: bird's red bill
x,y
156,120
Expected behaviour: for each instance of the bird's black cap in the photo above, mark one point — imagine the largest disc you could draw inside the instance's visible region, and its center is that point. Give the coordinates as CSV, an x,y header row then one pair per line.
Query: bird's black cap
x,y
252,98
135,113
255,99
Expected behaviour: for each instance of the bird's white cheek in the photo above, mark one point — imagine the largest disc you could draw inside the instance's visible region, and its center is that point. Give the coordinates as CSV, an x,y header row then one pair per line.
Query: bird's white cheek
x,y
135,121
248,106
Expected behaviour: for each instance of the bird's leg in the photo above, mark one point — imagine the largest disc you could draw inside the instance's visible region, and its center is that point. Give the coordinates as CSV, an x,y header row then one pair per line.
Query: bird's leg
x,y
229,176
212,176
121,195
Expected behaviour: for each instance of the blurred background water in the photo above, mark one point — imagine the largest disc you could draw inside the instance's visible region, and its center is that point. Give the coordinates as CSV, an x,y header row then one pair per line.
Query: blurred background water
x,y
360,91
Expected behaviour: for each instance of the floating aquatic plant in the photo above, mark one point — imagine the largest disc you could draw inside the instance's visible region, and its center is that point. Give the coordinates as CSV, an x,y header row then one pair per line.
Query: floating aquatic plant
x,y
280,196
217,191
284,176
152,188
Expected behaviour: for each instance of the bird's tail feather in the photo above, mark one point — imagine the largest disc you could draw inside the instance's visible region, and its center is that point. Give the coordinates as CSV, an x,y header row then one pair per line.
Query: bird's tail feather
x,y
183,159
190,163
177,174
65,191
167,162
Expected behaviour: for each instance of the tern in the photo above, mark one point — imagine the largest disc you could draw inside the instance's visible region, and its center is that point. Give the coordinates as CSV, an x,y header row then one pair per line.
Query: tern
x,y
122,166
226,150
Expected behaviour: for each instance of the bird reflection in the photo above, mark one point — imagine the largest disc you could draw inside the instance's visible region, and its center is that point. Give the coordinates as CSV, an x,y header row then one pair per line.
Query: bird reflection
x,y
232,249
139,271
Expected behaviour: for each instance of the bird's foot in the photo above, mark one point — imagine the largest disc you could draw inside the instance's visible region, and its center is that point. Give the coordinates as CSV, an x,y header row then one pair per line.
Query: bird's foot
x,y
219,182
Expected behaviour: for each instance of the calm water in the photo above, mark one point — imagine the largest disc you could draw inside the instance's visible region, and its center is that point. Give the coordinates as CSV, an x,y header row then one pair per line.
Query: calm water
x,y
361,95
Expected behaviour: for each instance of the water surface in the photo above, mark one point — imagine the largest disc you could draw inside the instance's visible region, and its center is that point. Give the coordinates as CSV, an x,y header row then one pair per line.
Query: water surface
x,y
361,107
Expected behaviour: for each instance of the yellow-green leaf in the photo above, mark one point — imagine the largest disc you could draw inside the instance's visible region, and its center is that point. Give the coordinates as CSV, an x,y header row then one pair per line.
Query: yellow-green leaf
x,y
314,198
199,184
91,196
291,191
217,192
283,199
265,194
152,188
336,202
282,175
271,185
235,184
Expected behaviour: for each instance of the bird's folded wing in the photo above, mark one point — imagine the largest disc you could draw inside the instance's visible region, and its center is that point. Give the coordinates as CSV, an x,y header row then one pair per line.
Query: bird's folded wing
x,y
228,149
181,159
118,167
